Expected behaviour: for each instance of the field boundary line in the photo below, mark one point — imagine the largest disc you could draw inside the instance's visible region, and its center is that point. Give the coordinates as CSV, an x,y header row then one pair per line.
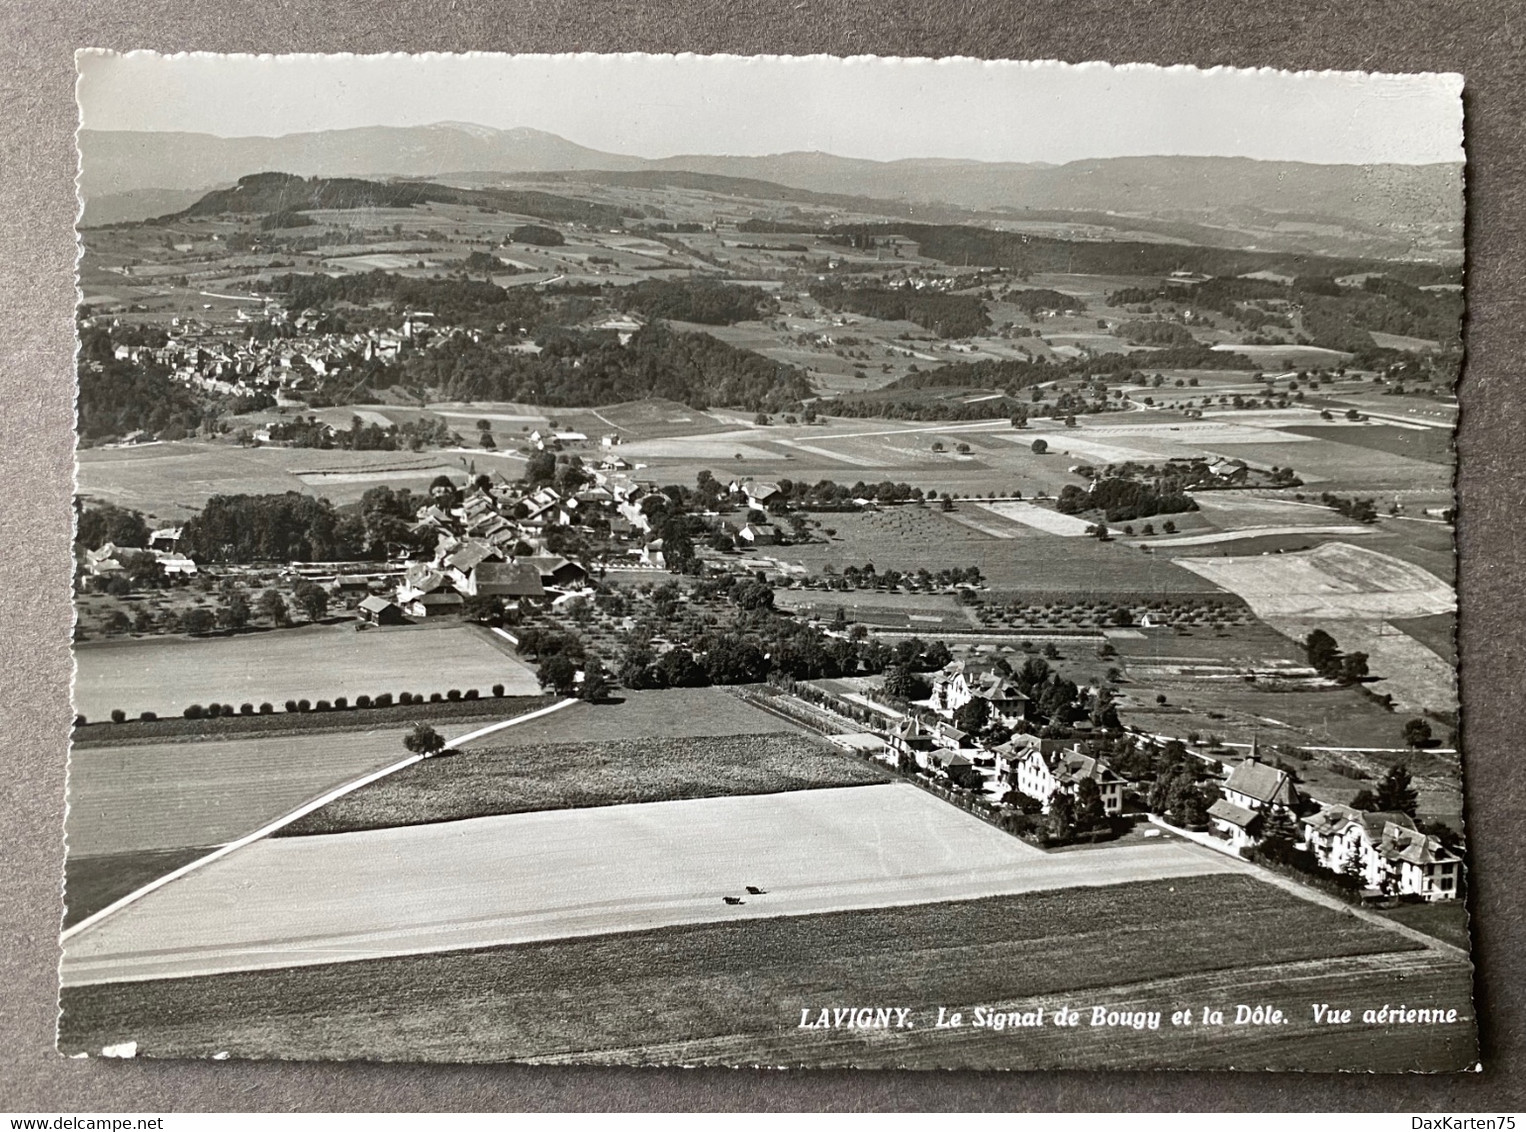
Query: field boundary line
x,y
515,721
287,819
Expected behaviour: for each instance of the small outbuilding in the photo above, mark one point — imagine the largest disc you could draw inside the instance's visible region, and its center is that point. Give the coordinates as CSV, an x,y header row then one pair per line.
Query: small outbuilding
x,y
380,611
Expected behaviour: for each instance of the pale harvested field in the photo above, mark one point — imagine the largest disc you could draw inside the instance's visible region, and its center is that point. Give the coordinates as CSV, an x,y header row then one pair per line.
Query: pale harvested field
x,y
1069,442
1240,533
731,993
1233,510
1040,518
1349,591
1335,581
527,877
700,447
167,675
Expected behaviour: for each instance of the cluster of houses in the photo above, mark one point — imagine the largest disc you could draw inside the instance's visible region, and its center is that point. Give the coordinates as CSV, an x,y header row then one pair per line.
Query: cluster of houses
x,y
163,544
1039,768
1389,852
492,543
210,357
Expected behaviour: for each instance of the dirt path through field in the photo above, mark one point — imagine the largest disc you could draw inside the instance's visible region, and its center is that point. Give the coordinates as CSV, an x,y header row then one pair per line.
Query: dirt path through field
x,y
548,875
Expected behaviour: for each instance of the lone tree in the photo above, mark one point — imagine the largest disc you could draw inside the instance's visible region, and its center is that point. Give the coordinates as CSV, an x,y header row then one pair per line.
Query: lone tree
x,y
1417,733
1353,668
313,599
558,672
972,717
1396,793
901,683
424,740
1040,446
1323,653
272,607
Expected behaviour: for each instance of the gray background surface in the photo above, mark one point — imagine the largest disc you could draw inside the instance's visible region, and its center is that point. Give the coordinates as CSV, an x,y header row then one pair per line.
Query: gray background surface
x,y
1483,40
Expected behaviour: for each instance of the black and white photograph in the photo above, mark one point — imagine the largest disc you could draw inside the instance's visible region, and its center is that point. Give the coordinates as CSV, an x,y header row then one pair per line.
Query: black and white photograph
x,y
766,561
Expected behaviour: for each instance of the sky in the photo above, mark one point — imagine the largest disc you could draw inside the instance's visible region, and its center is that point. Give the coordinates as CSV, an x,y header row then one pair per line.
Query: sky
x,y
880,109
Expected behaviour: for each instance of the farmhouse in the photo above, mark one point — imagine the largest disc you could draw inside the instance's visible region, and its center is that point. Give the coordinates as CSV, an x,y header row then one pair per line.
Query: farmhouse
x,y
759,534
172,563
1390,853
554,570
440,603
505,579
759,494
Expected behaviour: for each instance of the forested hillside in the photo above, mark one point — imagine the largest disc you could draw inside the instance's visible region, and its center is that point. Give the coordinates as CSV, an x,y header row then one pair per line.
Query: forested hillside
x,y
594,369
284,192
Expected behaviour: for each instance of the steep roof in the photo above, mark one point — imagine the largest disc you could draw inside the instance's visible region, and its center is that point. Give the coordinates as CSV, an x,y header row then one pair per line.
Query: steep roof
x,y
1412,846
1073,766
1235,815
1264,783
508,579
471,554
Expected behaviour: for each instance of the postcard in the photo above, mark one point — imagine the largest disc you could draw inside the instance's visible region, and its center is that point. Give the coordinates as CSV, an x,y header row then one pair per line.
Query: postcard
x,y
678,560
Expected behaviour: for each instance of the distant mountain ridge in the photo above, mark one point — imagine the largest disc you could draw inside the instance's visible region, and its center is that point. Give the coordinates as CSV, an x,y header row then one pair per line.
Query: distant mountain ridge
x,y
122,164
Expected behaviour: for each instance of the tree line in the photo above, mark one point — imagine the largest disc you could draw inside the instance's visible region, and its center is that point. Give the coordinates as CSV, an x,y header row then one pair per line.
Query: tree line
x,y
946,315
594,369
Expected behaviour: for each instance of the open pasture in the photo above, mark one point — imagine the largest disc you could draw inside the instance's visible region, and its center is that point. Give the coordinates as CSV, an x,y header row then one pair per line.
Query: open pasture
x,y
906,538
732,992
166,675
1334,581
295,901
1337,465
1430,445
174,480
1207,703
1239,510
175,794
1413,674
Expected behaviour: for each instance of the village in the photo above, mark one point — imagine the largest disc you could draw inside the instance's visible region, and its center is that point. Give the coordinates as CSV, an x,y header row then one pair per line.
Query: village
x,y
529,553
